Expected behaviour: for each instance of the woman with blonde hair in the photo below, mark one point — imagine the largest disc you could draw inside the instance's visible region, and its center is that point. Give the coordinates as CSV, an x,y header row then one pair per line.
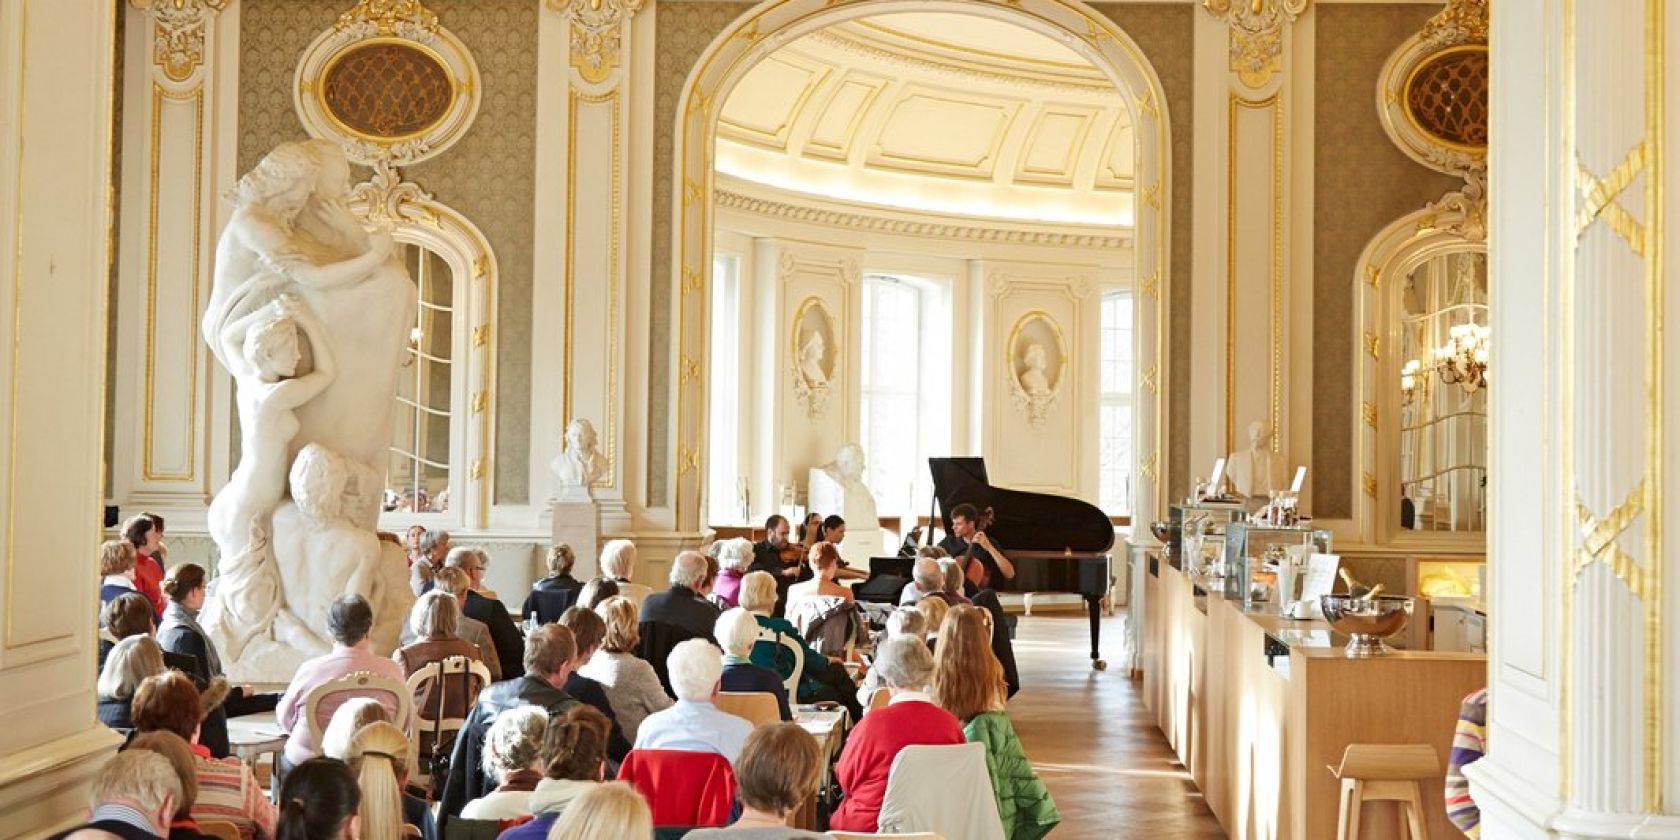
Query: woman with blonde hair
x,y
610,811
934,611
346,721
130,662
378,757
632,686
555,592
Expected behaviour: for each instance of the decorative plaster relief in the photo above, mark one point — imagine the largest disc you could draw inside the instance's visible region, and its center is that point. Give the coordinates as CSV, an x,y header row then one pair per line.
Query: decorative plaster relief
x,y
1256,34
1432,95
597,33
1036,356
178,33
816,354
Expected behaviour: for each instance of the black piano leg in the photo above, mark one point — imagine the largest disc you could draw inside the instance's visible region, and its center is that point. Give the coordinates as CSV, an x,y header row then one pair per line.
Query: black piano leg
x,y
1093,606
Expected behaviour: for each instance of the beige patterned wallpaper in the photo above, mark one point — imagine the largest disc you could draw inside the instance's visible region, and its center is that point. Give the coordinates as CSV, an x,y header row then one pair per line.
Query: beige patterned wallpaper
x,y
683,29
1361,182
487,176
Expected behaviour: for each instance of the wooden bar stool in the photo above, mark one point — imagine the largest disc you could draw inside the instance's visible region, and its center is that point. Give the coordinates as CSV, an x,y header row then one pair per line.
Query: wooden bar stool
x,y
1385,773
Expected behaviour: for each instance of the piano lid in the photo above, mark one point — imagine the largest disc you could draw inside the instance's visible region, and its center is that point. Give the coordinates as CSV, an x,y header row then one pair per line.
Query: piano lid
x,y
1023,521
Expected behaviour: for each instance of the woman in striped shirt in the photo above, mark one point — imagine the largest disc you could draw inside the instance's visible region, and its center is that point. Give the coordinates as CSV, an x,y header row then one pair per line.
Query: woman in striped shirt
x,y
226,789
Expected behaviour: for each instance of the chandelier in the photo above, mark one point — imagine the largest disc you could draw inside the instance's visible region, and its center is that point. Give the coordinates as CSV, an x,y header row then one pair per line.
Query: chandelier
x,y
1463,360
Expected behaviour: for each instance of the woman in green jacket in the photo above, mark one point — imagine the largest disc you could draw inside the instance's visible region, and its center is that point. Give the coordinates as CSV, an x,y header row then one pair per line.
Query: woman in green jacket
x,y
822,679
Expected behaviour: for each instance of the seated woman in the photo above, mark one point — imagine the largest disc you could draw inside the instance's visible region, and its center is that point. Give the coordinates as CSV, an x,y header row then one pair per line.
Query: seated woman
x,y
612,811
824,678
822,609
824,560
435,620
968,682
512,759
226,788
130,614
589,631
574,761
632,686
910,718
618,564
378,756
734,556
180,634
933,614
557,591
596,592
130,662
736,633
116,569
777,774
320,799
904,621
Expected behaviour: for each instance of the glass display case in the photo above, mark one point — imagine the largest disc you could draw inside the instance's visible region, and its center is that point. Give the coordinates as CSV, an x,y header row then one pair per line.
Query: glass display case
x,y
1246,545
1206,520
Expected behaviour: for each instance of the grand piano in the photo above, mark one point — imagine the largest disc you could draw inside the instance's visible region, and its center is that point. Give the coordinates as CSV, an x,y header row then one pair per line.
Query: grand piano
x,y
1057,544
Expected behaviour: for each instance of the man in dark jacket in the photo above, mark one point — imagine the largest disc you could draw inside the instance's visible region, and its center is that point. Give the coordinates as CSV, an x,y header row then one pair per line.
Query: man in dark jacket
x,y
678,614
504,633
767,557
549,656
134,798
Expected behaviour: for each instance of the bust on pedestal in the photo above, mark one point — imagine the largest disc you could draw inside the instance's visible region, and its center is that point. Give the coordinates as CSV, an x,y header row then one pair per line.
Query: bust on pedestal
x,y
1256,473
837,487
577,518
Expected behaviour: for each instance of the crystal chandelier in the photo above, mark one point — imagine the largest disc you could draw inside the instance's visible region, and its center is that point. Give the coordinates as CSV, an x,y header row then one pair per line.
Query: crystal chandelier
x,y
1463,360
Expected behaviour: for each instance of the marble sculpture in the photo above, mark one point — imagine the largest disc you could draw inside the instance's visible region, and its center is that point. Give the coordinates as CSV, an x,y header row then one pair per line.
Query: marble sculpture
x,y
580,465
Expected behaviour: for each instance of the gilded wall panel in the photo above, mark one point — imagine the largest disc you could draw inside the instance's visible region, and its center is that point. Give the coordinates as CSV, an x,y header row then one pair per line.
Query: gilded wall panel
x,y
489,176
1361,183
1166,34
682,32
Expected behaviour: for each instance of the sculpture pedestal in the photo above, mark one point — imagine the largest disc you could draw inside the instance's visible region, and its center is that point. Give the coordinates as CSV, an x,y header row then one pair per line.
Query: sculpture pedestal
x,y
578,524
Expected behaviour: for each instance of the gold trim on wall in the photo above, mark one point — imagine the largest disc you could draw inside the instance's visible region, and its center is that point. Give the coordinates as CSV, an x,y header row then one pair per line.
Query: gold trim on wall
x,y
149,398
614,232
1275,390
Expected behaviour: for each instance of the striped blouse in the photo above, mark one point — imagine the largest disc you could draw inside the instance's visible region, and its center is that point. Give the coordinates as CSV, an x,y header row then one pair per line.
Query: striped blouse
x,y
1469,742
227,791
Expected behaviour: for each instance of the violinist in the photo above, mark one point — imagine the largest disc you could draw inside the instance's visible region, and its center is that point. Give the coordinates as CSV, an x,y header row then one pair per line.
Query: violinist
x,y
774,554
980,558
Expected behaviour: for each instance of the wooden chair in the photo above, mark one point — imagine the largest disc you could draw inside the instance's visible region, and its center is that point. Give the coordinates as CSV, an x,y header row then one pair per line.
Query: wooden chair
x,y
794,649
470,676
758,707
879,699
358,684
1385,773
219,829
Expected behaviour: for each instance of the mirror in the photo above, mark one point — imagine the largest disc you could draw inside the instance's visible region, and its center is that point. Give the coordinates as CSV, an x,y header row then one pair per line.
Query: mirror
x,y
417,479
1443,382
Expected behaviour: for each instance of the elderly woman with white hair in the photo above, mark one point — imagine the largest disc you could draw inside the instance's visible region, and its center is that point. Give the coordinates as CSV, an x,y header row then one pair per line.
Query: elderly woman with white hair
x,y
694,723
823,677
904,621
736,633
910,718
733,559
513,759
128,665
618,564
927,578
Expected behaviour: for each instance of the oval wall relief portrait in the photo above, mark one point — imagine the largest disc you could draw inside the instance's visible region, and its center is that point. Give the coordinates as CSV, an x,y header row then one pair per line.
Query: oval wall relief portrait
x,y
1036,360
815,353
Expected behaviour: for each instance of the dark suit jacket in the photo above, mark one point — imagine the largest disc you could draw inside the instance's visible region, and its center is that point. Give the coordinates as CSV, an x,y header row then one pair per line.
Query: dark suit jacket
x,y
117,827
746,676
681,607
466,780
767,558
504,633
550,598
594,694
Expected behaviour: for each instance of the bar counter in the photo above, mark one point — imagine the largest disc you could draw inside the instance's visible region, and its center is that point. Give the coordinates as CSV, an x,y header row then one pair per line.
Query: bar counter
x,y
1257,706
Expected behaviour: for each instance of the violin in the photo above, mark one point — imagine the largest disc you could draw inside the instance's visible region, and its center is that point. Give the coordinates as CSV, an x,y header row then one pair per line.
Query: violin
x,y
976,571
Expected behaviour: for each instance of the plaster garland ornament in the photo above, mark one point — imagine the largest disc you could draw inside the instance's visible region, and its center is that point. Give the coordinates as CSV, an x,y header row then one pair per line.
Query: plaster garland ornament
x,y
597,33
580,465
178,33
1256,34
408,19
310,313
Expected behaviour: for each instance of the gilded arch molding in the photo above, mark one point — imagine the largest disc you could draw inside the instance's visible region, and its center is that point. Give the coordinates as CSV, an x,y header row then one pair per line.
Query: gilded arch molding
x,y
774,23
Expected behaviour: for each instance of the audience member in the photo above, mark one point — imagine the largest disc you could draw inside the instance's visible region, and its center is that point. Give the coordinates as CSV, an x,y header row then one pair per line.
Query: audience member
x,y
589,631
356,713
130,662
504,633
611,811
904,621
180,757
597,591
933,617
319,801
378,757
767,558
349,619
694,723
824,678
130,614
708,584
116,568
777,774
736,632
618,564
134,798
411,546
180,634
734,560
145,532
549,654
555,592
226,788
954,581
513,760
631,685
435,619
433,546
457,584
574,761
927,580
824,561
909,718
682,605
968,682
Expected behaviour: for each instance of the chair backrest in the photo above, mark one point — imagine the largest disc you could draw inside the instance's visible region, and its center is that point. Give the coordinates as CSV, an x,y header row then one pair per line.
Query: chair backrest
x,y
553,603
945,789
758,707
456,676
795,650
219,829
658,638
325,699
879,699
683,788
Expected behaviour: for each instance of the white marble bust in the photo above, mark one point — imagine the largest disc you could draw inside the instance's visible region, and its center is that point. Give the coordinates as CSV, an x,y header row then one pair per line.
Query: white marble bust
x,y
580,465
1256,472
837,487
1033,378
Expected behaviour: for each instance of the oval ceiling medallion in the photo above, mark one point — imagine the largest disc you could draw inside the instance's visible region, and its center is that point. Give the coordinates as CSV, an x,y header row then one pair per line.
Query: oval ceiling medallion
x,y
388,83
1446,97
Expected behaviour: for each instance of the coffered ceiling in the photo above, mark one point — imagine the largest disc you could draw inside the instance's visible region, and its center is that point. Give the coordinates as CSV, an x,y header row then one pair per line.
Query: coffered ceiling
x,y
938,112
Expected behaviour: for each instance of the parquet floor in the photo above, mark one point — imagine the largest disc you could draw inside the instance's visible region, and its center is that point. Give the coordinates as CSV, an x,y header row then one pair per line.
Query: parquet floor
x,y
1093,741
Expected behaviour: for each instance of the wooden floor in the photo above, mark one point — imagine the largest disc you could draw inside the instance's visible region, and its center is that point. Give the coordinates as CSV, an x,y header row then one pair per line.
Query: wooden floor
x,y
1092,740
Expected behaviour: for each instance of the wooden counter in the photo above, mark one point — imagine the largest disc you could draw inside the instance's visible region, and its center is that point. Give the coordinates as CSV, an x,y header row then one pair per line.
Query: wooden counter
x,y
1256,735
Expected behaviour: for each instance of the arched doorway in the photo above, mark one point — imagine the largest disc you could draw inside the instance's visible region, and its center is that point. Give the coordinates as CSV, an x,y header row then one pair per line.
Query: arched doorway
x,y
765,29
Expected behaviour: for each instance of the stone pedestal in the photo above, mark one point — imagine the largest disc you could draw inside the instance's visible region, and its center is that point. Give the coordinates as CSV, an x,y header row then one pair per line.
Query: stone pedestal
x,y
578,524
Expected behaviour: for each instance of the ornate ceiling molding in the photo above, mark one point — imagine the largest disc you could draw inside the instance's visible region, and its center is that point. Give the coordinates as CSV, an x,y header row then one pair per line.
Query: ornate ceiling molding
x,y
875,52
597,35
1256,34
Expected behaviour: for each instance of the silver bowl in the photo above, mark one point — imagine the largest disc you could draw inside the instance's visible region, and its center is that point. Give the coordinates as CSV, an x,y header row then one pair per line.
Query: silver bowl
x,y
1367,620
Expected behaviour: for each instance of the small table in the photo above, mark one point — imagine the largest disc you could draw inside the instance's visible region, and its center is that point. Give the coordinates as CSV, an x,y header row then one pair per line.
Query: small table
x,y
253,736
829,728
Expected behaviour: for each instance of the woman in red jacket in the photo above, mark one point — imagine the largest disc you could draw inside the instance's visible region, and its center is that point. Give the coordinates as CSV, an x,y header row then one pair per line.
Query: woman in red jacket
x,y
910,718
145,533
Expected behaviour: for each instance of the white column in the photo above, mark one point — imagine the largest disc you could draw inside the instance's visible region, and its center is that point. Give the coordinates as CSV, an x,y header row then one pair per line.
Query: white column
x,y
56,66
170,417
1583,703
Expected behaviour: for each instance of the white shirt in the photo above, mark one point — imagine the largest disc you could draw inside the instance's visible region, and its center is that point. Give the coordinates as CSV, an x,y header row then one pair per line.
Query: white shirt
x,y
696,727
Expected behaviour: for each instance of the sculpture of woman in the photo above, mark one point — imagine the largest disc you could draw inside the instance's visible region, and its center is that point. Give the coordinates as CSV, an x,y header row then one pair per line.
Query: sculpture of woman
x,y
1033,378
812,353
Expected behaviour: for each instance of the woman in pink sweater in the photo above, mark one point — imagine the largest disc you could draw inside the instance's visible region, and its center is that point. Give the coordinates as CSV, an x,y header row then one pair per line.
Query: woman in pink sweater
x,y
910,718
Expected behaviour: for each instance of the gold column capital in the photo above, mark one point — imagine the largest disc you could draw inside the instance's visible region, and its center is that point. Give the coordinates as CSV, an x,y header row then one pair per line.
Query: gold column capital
x,y
1256,34
597,28
178,33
